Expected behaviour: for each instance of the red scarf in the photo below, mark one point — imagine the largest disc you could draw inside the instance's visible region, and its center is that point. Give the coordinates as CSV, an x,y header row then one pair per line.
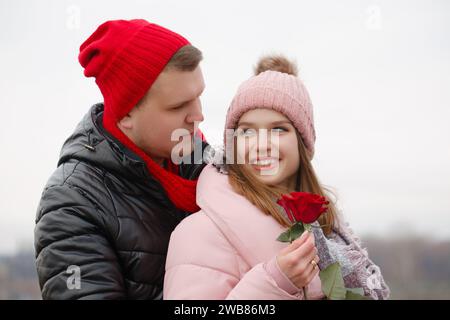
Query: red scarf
x,y
181,192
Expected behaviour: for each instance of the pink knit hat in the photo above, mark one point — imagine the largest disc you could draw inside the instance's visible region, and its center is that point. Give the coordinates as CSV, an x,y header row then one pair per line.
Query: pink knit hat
x,y
281,92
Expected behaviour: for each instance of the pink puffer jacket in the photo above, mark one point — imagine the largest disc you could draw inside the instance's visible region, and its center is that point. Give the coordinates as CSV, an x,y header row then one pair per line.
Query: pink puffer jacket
x,y
227,250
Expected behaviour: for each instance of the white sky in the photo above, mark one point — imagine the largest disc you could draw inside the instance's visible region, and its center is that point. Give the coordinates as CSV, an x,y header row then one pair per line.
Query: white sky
x,y
378,73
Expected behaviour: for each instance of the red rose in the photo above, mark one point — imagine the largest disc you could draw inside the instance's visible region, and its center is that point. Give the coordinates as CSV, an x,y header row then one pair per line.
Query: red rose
x,y
303,206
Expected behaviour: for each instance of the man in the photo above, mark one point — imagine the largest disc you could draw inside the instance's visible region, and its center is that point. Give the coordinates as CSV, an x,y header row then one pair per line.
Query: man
x,y
107,212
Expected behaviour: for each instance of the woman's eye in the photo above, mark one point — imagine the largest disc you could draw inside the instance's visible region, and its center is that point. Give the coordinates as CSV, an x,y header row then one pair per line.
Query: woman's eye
x,y
248,131
279,129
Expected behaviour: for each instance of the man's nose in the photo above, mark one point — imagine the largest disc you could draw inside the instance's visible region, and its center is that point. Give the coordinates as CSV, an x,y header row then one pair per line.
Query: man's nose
x,y
195,114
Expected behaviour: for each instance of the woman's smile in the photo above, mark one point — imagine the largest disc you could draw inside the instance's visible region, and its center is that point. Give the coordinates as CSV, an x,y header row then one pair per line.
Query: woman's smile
x,y
265,164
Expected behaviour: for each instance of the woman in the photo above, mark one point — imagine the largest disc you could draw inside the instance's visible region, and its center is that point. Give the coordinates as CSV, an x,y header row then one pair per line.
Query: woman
x,y
229,249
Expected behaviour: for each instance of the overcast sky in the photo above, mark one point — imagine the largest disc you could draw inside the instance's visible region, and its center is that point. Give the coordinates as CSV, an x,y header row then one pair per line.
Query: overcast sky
x,y
378,73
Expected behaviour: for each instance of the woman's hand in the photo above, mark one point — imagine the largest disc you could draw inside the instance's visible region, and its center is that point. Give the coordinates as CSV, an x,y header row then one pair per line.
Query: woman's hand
x,y
296,260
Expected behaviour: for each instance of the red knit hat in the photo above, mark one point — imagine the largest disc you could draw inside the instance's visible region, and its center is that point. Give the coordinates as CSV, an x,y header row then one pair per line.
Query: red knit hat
x,y
126,57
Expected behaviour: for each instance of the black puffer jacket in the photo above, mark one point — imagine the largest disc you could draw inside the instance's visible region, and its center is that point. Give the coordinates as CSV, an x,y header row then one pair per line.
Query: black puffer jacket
x,y
102,214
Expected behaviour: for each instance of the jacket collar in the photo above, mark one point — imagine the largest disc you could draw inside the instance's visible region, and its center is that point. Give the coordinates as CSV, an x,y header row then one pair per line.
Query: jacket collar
x,y
91,143
248,229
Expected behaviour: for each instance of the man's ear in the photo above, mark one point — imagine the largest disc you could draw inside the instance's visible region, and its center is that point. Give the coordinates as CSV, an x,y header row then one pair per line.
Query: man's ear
x,y
126,122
